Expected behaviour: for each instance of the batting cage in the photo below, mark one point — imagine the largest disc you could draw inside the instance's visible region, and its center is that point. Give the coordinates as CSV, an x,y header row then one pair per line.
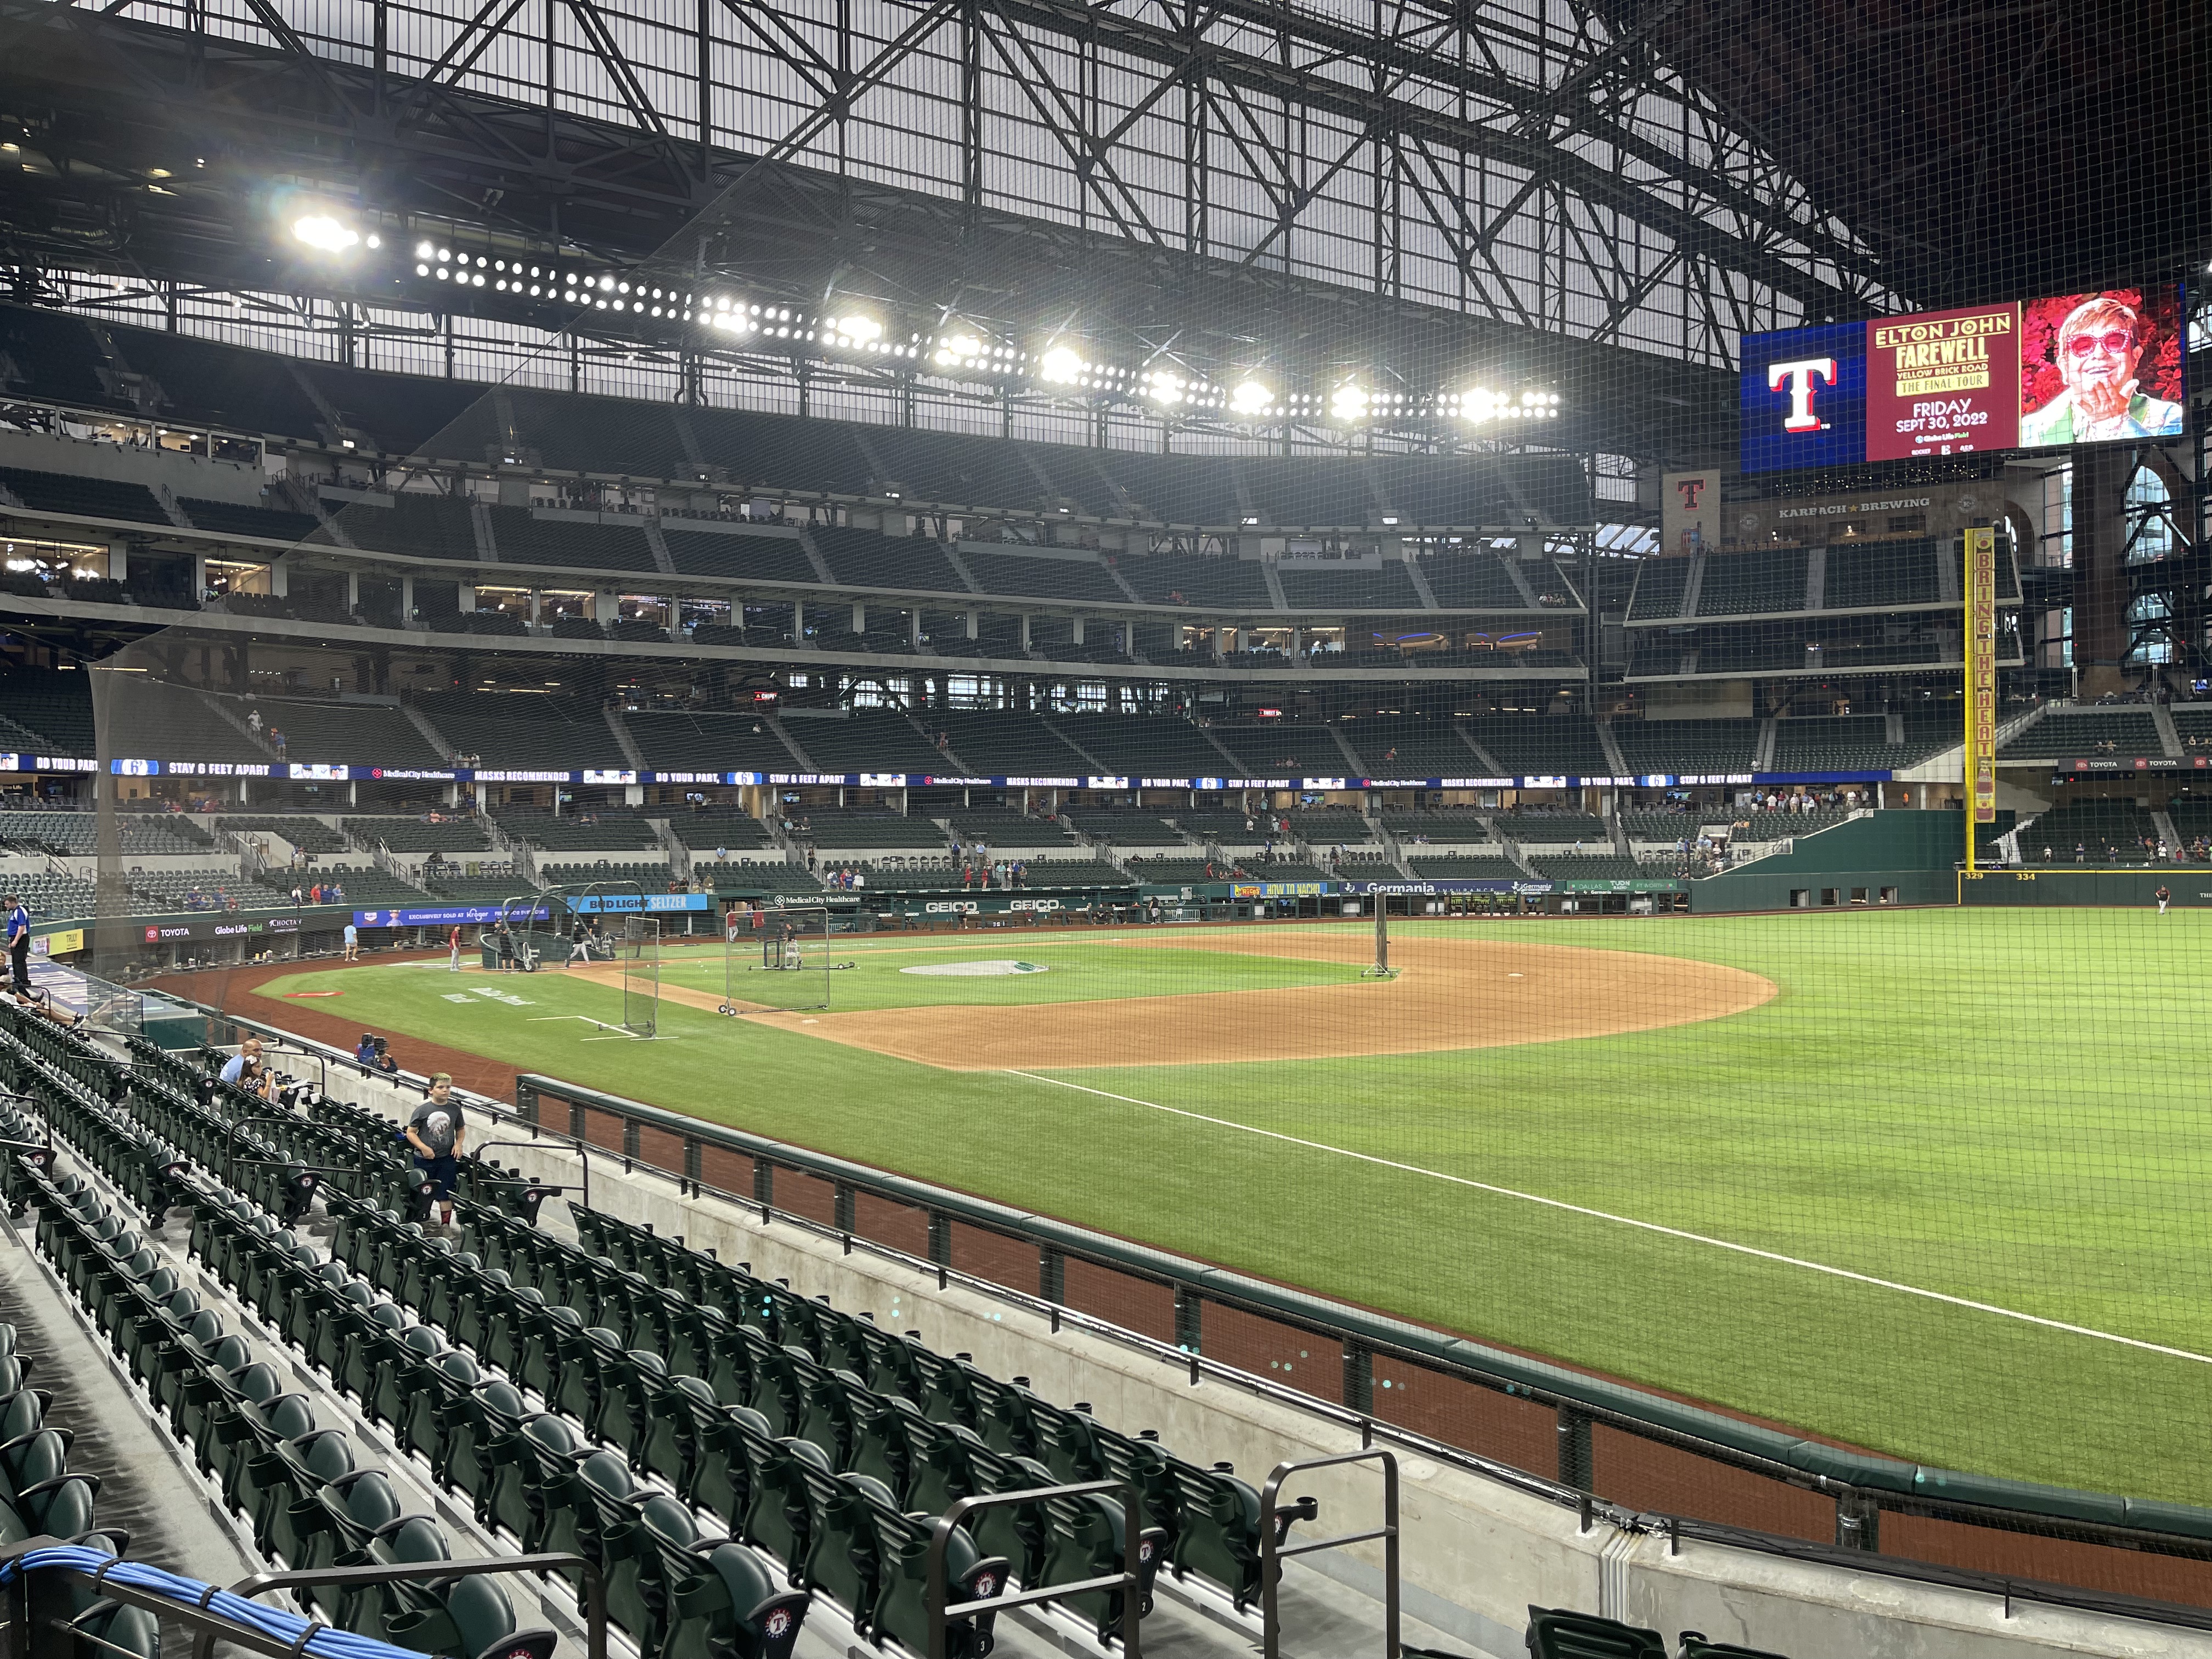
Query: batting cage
x,y
598,929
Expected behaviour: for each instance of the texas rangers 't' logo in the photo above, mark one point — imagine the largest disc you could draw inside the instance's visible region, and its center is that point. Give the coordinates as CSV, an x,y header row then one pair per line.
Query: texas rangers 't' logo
x,y
1800,378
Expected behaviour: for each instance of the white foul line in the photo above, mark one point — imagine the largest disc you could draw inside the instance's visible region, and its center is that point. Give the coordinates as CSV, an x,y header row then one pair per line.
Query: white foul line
x,y
1630,1221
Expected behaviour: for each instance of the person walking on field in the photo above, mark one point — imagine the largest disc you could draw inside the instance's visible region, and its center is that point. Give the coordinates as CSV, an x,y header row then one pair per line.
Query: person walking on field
x,y
454,950
2162,895
352,943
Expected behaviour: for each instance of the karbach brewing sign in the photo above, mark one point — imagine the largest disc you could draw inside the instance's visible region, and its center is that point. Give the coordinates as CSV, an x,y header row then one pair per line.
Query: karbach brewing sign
x,y
1942,510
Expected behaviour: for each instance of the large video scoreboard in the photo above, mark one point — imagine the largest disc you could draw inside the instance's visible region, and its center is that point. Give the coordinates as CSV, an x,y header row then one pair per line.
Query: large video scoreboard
x,y
2069,368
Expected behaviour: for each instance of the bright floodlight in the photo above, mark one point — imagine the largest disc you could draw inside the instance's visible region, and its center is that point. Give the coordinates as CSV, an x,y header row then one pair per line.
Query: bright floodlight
x,y
1251,398
858,327
1166,386
1062,365
1348,402
1480,405
324,235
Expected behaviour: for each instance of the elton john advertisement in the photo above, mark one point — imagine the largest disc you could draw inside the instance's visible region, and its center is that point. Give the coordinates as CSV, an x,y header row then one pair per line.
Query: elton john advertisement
x,y
2101,368
1944,383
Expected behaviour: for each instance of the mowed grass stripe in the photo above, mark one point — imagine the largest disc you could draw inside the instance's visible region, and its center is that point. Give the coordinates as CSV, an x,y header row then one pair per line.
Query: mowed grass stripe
x,y
1624,1221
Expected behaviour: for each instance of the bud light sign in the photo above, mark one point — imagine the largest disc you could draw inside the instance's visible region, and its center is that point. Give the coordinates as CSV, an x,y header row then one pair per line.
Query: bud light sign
x,y
1804,398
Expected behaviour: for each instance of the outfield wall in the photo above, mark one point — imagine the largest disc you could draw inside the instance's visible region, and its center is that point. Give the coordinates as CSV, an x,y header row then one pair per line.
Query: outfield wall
x,y
2191,885
1911,855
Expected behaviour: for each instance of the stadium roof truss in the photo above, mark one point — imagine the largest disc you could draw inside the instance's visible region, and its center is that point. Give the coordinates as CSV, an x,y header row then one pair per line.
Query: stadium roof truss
x,y
1379,187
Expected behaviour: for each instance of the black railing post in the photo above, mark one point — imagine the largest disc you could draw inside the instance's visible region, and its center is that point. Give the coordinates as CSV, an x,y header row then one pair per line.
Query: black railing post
x,y
578,1122
693,1160
1052,1274
1189,1320
525,1102
630,1143
764,1183
846,1206
940,1244
1858,1521
1576,1451
1358,1379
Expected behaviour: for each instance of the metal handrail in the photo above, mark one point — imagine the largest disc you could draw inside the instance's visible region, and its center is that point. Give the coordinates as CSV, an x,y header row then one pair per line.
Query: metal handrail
x,y
1272,1554
1129,1580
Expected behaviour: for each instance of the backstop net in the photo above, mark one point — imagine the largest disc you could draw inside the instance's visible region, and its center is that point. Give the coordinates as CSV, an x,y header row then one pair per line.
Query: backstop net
x,y
638,948
780,958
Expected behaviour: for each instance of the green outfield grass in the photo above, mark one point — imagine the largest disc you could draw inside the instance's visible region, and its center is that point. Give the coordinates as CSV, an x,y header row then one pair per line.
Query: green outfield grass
x,y
2006,1107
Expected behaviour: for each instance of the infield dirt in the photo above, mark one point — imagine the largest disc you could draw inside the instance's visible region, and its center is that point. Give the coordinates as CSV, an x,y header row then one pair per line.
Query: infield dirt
x,y
1448,994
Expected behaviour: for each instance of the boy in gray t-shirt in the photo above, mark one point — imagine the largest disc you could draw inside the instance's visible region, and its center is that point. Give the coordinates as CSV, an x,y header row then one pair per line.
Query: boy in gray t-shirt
x,y
434,1131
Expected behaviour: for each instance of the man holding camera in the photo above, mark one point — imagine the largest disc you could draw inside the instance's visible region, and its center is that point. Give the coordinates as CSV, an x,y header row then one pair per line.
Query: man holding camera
x,y
375,1055
245,1069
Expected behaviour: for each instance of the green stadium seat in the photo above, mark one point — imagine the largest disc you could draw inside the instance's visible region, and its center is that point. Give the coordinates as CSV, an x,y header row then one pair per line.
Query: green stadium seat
x,y
336,1327
648,1557
379,1610
628,1389
247,1441
109,1627
308,1464
668,1445
945,1467
884,1431
733,1610
476,1440
1219,1537
902,1610
1016,1531
375,1329
845,1557
1083,1539
596,1492
473,1620
1561,1633
400,1370
776,1517
443,1275
542,1456
440,1390
348,1512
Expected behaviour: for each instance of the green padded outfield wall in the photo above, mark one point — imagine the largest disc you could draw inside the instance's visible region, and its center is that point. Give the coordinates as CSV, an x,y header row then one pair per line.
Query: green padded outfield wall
x,y
2190,883
1917,854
